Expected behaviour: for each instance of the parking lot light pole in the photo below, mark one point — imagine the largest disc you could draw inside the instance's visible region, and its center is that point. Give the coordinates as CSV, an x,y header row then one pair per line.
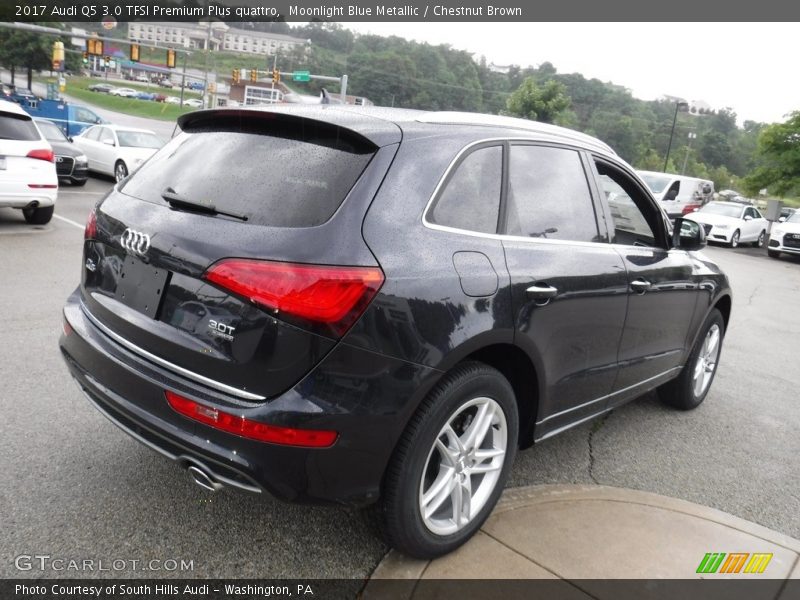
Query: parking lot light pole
x,y
678,106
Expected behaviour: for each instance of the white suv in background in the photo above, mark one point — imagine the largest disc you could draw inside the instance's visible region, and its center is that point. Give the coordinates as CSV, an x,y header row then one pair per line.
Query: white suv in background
x,y
28,177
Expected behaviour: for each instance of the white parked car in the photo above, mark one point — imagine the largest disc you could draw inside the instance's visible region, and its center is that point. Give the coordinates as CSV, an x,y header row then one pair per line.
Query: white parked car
x,y
124,92
172,100
785,236
731,223
28,179
116,150
193,102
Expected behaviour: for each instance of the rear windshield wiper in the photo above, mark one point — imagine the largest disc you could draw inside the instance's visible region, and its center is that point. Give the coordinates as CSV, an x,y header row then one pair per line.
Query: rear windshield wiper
x,y
175,200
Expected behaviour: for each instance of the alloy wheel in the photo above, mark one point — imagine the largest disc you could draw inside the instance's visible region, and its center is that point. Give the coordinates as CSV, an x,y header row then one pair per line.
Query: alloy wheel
x,y
706,362
463,466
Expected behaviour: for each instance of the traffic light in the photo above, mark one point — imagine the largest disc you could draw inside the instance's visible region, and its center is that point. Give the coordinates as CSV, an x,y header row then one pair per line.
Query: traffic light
x,y
85,58
134,55
235,77
171,58
94,47
253,75
276,76
58,55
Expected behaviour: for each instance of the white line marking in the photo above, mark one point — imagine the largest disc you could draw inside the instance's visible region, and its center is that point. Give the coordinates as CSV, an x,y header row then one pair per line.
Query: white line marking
x,y
70,221
81,192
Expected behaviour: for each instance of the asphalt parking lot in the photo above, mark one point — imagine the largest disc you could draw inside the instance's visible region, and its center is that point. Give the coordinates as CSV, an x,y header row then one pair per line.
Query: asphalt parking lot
x,y
77,488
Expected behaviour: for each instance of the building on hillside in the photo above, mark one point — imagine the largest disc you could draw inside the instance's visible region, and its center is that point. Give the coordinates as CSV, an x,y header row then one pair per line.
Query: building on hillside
x,y
221,37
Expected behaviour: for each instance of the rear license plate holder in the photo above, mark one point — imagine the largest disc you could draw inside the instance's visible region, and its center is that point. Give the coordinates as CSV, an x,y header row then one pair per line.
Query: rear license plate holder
x,y
141,286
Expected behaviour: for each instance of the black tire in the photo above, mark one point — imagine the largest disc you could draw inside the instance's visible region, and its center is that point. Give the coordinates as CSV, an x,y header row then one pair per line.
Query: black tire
x,y
120,171
773,254
681,393
762,237
40,215
78,182
734,243
399,514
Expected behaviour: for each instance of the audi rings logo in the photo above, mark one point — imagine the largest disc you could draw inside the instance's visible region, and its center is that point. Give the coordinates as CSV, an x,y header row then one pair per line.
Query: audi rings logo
x,y
135,242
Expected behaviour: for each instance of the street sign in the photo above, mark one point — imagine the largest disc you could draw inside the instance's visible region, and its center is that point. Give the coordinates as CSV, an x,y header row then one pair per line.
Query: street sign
x,y
301,76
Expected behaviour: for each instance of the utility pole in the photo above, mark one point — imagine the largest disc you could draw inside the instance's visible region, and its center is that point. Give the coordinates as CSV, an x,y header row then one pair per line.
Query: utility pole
x,y
692,135
678,105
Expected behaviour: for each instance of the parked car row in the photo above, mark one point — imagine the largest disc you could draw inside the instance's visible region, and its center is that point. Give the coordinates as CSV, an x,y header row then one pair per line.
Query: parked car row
x,y
126,92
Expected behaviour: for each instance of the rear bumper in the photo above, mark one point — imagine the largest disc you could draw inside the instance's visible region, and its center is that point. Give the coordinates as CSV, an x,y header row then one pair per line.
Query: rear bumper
x,y
366,397
41,197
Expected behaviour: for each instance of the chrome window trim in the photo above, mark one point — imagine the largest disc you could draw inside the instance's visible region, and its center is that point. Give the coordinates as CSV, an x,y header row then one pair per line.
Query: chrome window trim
x,y
496,236
222,387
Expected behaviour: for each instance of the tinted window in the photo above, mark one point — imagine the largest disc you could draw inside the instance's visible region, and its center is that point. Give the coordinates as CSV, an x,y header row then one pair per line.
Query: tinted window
x,y
548,195
17,127
631,212
471,198
276,174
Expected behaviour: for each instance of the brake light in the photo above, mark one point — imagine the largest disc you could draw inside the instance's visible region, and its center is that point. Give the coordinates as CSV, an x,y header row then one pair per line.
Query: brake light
x,y
253,430
90,232
326,295
689,208
42,154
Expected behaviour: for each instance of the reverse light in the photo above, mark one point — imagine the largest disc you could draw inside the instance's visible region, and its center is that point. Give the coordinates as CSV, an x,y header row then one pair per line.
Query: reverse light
x,y
328,295
253,430
42,154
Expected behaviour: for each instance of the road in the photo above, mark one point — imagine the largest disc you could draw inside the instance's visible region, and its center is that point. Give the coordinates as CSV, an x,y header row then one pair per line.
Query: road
x,y
77,487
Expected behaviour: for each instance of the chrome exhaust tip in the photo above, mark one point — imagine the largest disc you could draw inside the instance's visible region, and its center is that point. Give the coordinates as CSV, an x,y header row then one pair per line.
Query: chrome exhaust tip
x,y
203,479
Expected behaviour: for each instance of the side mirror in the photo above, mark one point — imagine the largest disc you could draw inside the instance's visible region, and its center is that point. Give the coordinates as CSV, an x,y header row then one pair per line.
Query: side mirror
x,y
748,218
70,140
688,235
781,219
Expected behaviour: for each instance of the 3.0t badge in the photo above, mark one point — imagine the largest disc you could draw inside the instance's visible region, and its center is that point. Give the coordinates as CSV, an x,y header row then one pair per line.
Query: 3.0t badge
x,y
135,242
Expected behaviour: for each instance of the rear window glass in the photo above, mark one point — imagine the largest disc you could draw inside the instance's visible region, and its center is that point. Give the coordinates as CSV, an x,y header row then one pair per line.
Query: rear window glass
x,y
279,174
17,127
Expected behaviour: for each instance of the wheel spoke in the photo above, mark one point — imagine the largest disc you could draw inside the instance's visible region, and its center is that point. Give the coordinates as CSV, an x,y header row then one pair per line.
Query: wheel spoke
x,y
454,442
484,468
448,454
712,343
474,436
441,489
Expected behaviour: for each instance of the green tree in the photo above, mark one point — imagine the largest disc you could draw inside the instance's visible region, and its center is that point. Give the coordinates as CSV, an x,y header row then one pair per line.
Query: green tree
x,y
22,49
779,151
538,103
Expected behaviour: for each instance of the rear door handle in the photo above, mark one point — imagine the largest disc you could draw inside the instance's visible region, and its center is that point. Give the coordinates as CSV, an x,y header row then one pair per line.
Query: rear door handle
x,y
541,291
640,286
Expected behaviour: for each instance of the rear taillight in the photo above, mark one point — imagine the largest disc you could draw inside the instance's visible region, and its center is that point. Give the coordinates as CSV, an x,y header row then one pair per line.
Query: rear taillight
x,y
90,232
690,208
253,430
327,296
42,154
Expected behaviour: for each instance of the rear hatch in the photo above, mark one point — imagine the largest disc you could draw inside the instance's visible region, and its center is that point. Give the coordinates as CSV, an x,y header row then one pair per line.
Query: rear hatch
x,y
26,159
234,256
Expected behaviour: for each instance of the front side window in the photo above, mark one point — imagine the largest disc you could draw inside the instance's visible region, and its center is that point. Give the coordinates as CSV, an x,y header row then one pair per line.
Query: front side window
x,y
548,195
471,197
629,208
93,133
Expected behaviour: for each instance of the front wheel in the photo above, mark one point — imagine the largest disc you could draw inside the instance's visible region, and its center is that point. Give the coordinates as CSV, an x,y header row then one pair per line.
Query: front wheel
x,y
451,464
734,243
690,388
120,171
762,237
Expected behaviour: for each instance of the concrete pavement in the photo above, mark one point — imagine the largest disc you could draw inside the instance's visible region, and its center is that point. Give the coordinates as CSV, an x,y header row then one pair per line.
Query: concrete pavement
x,y
580,533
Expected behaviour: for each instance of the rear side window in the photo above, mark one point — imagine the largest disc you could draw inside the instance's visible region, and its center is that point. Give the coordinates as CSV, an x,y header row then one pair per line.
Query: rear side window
x,y
471,198
18,127
279,174
548,195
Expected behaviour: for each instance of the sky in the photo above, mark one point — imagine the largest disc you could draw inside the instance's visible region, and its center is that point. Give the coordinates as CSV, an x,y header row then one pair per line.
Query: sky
x,y
749,67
